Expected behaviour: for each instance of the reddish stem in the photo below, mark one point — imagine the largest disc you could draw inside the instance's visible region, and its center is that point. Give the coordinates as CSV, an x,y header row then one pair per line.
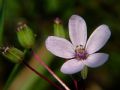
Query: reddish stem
x,y
42,76
50,71
75,83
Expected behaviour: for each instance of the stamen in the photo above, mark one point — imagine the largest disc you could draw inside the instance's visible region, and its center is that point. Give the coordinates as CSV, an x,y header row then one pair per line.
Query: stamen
x,y
80,53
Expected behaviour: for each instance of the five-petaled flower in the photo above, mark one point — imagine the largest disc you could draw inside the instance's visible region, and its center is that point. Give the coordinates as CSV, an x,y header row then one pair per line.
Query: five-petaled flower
x,y
80,52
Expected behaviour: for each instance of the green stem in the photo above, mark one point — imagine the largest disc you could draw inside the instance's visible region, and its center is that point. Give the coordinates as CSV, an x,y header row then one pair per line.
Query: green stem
x,y
25,51
42,76
11,77
2,16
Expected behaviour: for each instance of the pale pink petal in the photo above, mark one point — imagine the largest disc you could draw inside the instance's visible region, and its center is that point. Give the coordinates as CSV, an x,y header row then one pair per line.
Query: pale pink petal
x,y
77,30
72,66
60,47
98,39
96,60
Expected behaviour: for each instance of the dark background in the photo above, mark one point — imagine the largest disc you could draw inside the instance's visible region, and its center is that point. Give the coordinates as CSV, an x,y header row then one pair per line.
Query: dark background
x,y
40,15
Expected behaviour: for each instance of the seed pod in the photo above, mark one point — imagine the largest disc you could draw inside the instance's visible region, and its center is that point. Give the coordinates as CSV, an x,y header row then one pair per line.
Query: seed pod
x,y
13,54
58,28
25,36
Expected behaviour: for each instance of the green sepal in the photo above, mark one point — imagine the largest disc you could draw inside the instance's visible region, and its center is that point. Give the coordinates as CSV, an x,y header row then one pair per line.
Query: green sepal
x,y
58,29
13,54
25,36
84,72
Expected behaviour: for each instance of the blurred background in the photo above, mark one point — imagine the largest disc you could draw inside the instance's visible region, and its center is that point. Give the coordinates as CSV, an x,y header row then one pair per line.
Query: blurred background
x,y
40,16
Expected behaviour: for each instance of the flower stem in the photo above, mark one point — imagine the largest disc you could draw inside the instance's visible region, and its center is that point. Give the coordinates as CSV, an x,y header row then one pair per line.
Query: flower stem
x,y
42,76
50,71
75,83
11,77
83,84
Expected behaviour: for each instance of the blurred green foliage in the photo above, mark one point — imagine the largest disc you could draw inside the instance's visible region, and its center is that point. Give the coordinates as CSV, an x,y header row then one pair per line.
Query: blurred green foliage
x,y
40,15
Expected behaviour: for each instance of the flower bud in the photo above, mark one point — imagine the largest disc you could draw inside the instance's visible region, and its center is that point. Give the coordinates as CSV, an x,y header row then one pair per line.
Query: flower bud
x,y
25,36
13,54
84,72
58,28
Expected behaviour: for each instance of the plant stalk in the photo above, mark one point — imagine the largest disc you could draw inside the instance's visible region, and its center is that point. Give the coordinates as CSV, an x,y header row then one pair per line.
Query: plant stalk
x,y
42,76
50,71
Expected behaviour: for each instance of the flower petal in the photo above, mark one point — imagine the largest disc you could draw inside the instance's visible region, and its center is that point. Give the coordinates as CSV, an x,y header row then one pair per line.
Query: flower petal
x,y
72,66
60,47
96,59
98,39
77,30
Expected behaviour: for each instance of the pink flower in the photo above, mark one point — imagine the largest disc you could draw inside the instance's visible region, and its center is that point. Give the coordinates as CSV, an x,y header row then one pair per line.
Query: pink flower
x,y
80,52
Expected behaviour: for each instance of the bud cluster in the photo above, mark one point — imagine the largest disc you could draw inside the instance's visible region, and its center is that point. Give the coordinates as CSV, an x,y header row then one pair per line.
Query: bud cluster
x,y
26,39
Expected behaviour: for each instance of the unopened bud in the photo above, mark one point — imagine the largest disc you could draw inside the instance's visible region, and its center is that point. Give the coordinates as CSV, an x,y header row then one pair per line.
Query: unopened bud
x,y
25,36
58,28
13,54
84,72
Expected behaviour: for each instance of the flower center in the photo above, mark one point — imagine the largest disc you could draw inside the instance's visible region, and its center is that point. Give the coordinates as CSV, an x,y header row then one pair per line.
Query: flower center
x,y
80,53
